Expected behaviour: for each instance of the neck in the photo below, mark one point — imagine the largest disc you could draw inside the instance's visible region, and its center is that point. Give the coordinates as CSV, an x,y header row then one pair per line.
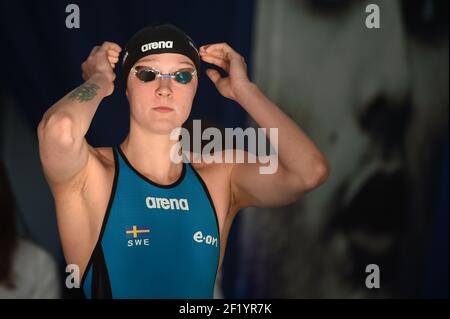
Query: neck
x,y
149,153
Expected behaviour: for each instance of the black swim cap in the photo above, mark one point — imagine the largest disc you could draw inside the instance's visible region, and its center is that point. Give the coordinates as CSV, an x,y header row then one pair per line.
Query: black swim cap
x,y
165,38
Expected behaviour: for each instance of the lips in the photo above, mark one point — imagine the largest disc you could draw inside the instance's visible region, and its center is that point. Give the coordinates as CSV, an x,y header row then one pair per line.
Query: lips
x,y
370,218
376,201
163,109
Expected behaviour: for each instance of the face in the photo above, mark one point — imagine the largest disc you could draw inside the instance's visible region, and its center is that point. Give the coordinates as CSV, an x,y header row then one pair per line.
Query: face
x,y
146,97
375,101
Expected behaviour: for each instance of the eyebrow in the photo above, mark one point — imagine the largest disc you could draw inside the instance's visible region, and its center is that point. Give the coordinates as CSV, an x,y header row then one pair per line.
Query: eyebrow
x,y
155,60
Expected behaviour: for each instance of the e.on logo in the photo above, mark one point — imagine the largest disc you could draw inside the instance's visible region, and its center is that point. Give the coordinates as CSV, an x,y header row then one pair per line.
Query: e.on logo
x,y
208,239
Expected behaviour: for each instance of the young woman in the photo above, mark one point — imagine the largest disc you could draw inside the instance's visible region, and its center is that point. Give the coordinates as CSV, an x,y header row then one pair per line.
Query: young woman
x,y
138,224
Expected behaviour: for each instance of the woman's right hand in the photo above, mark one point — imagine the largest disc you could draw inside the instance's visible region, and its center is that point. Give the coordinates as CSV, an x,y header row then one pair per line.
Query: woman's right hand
x,y
101,62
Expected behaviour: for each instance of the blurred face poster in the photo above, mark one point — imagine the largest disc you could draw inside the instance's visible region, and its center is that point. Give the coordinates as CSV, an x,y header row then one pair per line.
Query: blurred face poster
x,y
356,208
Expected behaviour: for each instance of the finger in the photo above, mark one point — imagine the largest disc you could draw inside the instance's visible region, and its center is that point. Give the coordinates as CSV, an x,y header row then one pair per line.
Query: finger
x,y
113,53
112,59
220,50
234,60
214,75
227,56
217,61
217,45
220,47
94,50
217,50
216,53
215,56
203,47
111,46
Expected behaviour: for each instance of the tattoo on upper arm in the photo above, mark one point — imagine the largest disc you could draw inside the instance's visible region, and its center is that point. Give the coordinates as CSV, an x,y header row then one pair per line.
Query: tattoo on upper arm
x,y
85,92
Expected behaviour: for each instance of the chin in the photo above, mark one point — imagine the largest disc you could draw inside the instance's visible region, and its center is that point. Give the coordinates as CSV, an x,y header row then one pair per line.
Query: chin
x,y
163,126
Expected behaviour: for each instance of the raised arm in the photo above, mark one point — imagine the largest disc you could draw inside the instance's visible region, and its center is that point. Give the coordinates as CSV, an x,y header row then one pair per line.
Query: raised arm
x,y
301,165
61,132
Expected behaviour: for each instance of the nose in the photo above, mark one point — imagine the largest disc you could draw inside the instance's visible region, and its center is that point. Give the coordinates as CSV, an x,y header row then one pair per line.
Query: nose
x,y
386,122
164,88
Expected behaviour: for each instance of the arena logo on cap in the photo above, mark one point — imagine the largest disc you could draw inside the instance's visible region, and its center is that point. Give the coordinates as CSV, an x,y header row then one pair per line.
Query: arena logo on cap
x,y
157,45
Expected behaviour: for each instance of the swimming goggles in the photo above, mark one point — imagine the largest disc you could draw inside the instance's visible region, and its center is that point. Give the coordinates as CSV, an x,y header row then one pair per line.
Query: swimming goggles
x,y
147,74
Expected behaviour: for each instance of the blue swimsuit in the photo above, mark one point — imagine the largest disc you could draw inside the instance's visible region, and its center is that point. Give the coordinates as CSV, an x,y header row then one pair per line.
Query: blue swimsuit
x,y
156,241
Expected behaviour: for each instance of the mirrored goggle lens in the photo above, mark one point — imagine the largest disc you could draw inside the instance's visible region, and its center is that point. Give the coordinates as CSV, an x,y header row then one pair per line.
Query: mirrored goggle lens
x,y
146,75
183,77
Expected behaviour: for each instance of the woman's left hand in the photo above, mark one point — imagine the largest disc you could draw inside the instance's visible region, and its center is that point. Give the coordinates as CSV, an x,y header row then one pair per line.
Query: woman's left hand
x,y
222,55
